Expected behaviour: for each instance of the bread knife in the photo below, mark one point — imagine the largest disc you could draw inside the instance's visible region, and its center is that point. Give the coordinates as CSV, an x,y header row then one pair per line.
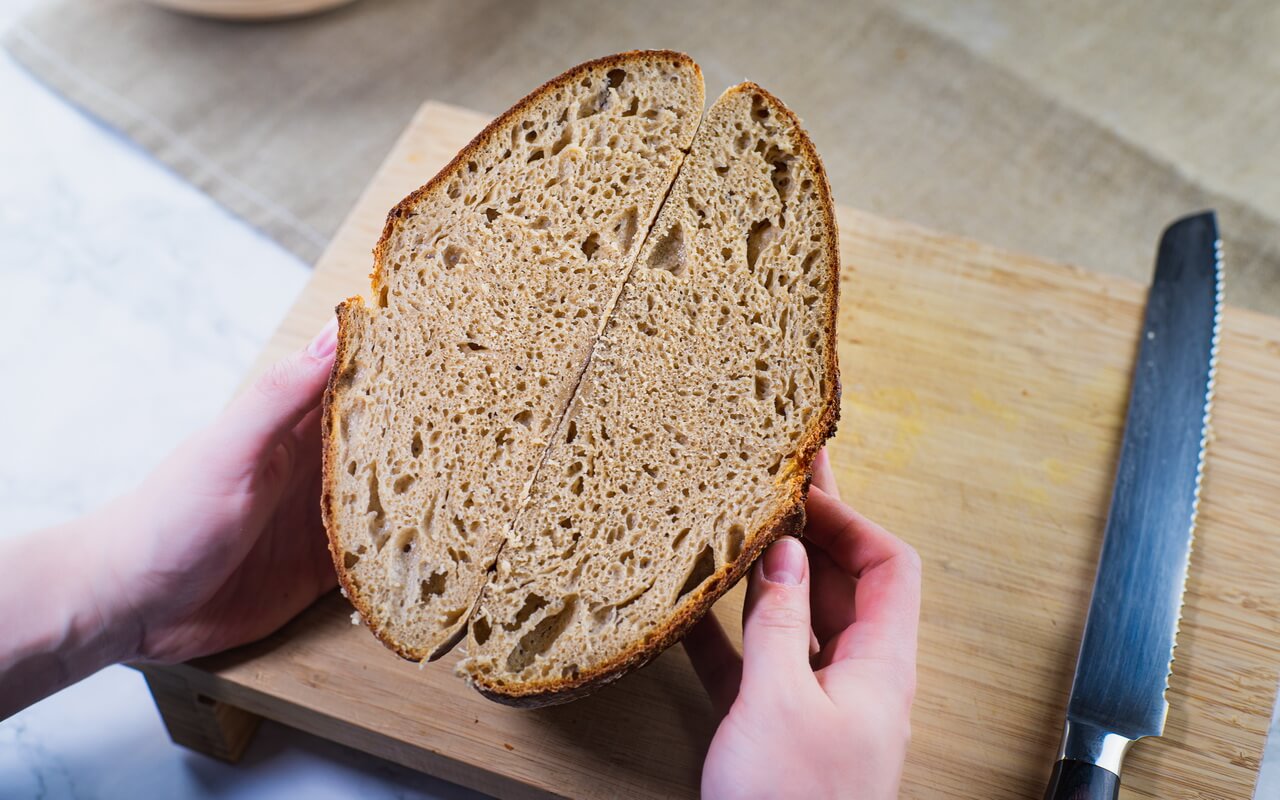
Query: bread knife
x,y
1126,654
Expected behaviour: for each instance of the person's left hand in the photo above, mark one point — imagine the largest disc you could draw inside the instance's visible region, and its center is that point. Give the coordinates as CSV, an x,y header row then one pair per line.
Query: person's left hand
x,y
223,543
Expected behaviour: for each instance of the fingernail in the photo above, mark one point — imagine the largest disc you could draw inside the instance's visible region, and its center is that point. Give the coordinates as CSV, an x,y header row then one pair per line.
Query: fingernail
x,y
326,340
785,562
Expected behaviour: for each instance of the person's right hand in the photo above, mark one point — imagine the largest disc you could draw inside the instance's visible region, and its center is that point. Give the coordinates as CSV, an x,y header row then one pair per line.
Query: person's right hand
x,y
819,703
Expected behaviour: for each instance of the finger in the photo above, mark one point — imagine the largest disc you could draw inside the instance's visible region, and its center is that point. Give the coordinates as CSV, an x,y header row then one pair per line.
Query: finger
x,y
718,665
831,595
281,396
306,435
854,542
887,597
824,477
775,628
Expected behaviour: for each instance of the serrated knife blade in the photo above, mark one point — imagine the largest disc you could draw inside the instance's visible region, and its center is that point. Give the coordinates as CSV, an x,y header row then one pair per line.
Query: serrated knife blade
x,y
1127,651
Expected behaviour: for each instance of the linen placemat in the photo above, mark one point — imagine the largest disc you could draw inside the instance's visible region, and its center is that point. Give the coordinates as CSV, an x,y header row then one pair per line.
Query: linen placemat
x,y
1074,131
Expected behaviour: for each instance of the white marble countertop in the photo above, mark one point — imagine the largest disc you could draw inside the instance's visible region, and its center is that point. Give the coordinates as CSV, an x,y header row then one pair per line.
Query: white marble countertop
x,y
127,325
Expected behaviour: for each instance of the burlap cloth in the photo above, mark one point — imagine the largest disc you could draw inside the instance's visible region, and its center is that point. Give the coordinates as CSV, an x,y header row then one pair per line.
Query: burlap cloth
x,y
1070,130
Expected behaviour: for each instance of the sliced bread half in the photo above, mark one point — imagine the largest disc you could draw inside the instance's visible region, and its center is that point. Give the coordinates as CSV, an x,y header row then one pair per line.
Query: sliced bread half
x,y
687,446
564,421
490,285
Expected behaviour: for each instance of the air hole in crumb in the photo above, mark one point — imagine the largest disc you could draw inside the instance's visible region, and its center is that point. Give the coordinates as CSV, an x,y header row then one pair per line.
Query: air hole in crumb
x,y
433,586
566,139
536,155
702,568
571,432
452,255
490,214
758,109
762,387
533,603
382,297
733,544
669,253
481,629
576,486
349,559
591,244
525,418
616,77
374,507
680,537
403,483
544,634
624,230
722,170
351,468
404,539
757,240
474,347
633,108
415,447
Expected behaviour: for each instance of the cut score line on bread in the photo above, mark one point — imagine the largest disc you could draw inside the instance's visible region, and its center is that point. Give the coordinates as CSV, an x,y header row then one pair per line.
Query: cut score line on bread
x,y
597,363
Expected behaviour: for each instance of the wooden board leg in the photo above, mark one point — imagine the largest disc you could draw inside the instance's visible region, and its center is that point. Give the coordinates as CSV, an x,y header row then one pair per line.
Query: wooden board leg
x,y
198,721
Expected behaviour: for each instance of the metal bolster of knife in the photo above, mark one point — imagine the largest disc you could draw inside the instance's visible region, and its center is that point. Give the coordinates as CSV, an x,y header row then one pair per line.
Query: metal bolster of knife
x,y
1093,745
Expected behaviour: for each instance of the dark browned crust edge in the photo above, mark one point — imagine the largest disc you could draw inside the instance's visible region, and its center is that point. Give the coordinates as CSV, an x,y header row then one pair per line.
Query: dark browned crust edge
x,y
402,211
787,520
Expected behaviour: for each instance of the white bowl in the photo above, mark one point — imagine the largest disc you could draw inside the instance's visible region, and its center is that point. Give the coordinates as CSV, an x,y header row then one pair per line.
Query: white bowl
x,y
249,9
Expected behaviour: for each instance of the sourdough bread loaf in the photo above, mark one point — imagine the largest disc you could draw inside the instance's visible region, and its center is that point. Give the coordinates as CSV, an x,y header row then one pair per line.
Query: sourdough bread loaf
x,y
591,380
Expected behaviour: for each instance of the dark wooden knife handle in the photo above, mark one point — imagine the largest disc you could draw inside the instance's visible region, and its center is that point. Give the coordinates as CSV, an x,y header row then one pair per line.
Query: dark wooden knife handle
x,y
1080,780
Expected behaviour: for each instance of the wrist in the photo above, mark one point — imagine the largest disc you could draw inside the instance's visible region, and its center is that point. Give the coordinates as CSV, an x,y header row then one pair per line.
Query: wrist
x,y
107,624
58,633
73,594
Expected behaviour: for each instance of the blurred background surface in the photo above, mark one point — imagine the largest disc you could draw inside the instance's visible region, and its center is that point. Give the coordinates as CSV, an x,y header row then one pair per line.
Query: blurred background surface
x,y
168,181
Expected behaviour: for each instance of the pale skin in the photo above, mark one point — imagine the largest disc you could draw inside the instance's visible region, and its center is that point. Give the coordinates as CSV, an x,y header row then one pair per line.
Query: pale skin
x,y
818,704
223,544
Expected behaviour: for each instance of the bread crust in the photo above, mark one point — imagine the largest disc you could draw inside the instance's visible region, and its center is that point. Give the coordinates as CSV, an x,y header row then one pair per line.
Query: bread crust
x,y
788,518
347,309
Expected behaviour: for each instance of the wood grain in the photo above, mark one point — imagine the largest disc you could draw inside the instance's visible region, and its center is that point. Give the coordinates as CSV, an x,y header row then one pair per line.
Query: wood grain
x,y
198,721
982,413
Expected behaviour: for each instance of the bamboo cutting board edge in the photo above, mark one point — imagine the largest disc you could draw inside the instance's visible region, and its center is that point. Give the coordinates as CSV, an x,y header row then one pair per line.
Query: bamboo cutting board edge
x,y
880,456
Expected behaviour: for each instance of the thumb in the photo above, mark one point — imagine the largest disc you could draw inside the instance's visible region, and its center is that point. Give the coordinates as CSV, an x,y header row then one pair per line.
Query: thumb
x,y
280,397
775,626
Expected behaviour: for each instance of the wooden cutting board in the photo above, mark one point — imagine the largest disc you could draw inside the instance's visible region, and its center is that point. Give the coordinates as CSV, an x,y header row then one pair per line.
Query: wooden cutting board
x,y
983,400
